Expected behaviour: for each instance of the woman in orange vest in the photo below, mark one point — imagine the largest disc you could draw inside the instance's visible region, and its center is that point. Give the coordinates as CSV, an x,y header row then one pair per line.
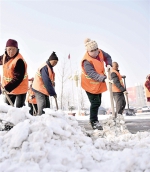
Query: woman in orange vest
x,y
147,87
15,78
118,88
93,78
32,103
43,84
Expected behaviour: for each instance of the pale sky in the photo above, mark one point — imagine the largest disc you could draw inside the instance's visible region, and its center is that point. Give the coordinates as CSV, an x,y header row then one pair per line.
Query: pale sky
x,y
121,28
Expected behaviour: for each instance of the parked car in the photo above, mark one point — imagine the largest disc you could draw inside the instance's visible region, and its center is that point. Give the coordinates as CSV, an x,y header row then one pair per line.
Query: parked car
x,y
145,109
102,111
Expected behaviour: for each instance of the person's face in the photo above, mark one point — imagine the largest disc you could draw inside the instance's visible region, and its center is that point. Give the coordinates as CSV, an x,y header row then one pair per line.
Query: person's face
x,y
94,53
53,62
115,66
11,51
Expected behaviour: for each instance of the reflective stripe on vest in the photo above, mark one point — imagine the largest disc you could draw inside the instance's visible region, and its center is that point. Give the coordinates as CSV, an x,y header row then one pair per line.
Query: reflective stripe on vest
x,y
88,83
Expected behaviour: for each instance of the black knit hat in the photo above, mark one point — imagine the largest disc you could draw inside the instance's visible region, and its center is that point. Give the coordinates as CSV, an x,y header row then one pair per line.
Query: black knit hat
x,y
53,56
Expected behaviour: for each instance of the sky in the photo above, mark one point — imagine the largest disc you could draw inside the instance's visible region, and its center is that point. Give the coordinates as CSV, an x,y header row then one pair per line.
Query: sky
x,y
121,28
56,142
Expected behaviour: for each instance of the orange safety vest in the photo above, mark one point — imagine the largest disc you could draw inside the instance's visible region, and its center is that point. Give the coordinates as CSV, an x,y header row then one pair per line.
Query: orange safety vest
x,y
87,83
38,82
29,99
114,88
8,70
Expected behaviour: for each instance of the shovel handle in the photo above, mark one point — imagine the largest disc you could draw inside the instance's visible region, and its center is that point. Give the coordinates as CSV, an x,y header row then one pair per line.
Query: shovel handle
x,y
111,95
56,103
6,95
126,94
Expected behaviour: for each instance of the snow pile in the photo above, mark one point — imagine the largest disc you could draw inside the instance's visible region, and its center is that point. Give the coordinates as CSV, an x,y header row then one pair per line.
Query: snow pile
x,y
54,142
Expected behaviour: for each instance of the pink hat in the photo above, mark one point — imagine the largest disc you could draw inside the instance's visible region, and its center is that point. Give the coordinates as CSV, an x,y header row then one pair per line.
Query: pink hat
x,y
12,43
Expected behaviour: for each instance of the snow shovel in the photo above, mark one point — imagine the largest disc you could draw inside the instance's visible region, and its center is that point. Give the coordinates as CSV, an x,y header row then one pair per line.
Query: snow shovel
x,y
111,95
56,103
129,112
7,97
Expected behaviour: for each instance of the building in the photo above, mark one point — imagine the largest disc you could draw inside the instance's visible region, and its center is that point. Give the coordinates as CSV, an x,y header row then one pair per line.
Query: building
x,y
136,96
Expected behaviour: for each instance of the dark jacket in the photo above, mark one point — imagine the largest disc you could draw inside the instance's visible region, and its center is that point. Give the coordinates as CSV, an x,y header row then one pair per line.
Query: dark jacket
x,y
90,71
19,72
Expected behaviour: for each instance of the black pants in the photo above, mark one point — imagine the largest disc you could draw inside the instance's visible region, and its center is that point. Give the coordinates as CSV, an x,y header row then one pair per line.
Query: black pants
x,y
95,100
31,111
120,102
20,99
42,102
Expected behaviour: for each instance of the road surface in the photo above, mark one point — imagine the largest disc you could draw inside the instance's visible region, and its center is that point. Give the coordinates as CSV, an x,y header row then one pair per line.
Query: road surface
x,y
140,122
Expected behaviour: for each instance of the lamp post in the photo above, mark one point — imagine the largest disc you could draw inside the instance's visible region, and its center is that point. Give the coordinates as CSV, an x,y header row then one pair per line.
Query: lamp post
x,y
75,77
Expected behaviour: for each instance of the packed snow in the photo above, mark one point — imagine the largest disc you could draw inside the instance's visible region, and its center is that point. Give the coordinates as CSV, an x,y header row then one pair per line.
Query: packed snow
x,y
54,142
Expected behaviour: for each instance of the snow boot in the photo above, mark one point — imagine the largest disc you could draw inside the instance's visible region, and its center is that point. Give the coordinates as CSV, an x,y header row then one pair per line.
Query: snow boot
x,y
96,125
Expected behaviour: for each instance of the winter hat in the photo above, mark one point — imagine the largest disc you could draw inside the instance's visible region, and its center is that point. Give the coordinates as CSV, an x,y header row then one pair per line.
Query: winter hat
x,y
53,56
90,45
12,43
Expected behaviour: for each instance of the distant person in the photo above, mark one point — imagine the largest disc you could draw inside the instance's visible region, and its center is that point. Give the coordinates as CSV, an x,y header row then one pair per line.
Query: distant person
x,y
147,87
43,84
93,78
32,103
15,78
118,88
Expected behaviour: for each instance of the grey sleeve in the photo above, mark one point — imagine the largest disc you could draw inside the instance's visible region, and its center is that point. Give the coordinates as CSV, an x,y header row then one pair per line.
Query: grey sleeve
x,y
116,81
107,58
90,71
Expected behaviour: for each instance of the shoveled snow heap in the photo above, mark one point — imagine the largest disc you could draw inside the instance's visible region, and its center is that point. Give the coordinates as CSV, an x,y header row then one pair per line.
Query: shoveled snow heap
x,y
54,142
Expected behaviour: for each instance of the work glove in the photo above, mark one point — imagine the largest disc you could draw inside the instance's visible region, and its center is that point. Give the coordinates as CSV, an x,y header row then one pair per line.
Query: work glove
x,y
108,81
55,96
123,76
108,68
3,90
33,96
125,92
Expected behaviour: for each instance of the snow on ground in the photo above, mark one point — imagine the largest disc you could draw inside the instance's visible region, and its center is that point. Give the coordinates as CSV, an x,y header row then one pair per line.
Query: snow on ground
x,y
54,142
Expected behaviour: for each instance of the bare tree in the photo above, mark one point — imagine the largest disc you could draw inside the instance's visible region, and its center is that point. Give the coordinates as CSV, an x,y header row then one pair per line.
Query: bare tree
x,y
63,77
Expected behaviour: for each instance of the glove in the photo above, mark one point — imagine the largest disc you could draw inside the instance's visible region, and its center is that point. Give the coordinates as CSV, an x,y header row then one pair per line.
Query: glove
x,y
108,67
108,81
123,76
33,96
3,90
55,96
125,92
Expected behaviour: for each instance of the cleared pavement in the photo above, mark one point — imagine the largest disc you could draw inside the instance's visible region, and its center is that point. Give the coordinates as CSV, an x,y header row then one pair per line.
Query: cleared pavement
x,y
140,122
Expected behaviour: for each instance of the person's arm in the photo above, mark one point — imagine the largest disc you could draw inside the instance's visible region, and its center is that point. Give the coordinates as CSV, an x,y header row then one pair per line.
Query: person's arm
x,y
116,81
18,76
90,71
47,82
107,58
1,60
